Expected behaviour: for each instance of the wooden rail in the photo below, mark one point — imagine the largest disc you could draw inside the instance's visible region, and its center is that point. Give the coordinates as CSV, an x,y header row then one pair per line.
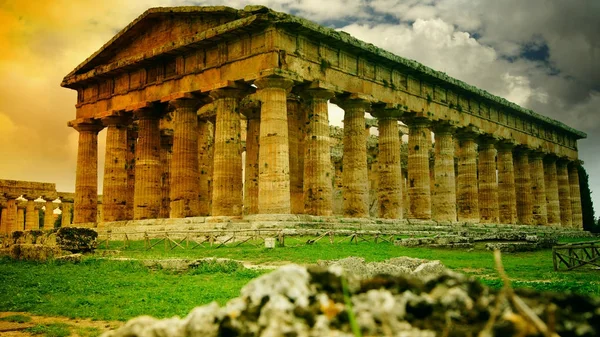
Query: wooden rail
x,y
576,255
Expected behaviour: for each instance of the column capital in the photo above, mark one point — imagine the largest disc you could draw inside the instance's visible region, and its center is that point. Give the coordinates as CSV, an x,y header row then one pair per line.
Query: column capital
x,y
443,127
487,140
227,93
186,103
86,125
468,133
506,145
538,153
147,113
353,101
522,150
317,94
11,196
422,122
117,119
274,82
250,106
382,110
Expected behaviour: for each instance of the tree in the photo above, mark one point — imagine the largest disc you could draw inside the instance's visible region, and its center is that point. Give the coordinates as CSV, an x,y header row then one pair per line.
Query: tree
x,y
587,207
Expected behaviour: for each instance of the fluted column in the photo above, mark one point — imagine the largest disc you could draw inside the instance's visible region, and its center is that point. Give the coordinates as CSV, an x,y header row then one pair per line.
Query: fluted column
x,y
205,159
148,171
577,216
551,185
32,219
3,216
318,174
523,186
67,206
274,149
419,191
115,187
295,133
86,178
564,193
355,178
507,200
251,168
185,185
467,197
49,212
132,135
166,157
10,222
227,169
444,189
538,189
389,192
488,185
20,216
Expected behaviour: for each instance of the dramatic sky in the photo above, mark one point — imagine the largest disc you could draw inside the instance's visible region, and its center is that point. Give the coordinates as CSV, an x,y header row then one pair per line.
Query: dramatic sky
x,y
541,54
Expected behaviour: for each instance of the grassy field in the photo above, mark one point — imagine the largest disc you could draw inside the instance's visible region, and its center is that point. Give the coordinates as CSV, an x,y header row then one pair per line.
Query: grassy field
x,y
108,290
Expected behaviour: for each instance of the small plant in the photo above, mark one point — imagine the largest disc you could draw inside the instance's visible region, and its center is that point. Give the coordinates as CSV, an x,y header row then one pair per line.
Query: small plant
x,y
324,65
76,239
459,108
50,330
451,105
385,83
429,99
16,318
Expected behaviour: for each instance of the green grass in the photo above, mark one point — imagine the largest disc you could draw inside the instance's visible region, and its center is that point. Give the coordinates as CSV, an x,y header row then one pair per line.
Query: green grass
x,y
88,331
16,318
50,330
118,290
113,290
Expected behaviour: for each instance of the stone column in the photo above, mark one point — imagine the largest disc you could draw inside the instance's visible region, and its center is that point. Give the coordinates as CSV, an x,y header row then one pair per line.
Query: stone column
x,y
355,177
3,215
295,133
274,151
32,219
551,185
115,169
523,186
564,193
185,185
20,216
166,155
204,162
318,175
419,191
507,200
488,185
444,189
49,212
132,134
148,171
66,213
10,222
389,190
538,188
577,216
227,169
86,178
251,167
467,194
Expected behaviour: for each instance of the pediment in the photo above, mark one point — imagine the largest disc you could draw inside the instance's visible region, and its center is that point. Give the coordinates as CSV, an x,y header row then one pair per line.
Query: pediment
x,y
156,28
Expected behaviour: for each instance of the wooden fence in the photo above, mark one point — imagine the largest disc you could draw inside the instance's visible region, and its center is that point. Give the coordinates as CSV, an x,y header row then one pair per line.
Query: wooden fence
x,y
576,255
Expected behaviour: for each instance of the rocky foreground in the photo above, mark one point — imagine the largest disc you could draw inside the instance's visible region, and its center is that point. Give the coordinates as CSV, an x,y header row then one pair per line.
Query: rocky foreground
x,y
400,297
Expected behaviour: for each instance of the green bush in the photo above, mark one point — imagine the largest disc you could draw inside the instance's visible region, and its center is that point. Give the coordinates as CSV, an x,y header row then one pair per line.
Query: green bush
x,y
76,240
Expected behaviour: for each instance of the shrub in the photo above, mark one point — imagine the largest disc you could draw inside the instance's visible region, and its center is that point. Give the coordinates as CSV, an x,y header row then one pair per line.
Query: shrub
x,y
76,240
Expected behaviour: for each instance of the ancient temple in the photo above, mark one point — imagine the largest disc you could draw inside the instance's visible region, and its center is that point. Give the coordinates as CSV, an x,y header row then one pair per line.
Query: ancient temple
x,y
184,91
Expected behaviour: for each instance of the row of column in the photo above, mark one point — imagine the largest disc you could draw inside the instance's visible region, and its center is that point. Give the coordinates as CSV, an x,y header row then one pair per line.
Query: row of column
x,y
17,215
288,168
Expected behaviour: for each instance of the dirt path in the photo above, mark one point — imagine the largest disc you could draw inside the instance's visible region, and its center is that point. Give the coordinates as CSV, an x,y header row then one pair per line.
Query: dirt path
x,y
76,327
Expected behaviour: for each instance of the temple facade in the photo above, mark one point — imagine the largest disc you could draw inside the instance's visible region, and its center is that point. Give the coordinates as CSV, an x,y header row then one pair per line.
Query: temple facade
x,y
224,112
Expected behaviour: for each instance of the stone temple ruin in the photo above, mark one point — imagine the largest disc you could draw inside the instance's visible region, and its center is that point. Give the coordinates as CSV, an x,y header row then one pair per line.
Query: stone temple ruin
x,y
180,87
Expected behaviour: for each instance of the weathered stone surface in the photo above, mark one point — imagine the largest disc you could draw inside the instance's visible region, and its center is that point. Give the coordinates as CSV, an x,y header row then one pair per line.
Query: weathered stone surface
x,y
115,187
35,252
251,168
354,162
132,135
523,186
564,193
444,188
551,186
166,156
507,199
205,159
317,160
538,189
390,182
419,189
185,184
577,215
148,171
32,219
227,170
274,151
467,193
488,185
86,177
296,119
